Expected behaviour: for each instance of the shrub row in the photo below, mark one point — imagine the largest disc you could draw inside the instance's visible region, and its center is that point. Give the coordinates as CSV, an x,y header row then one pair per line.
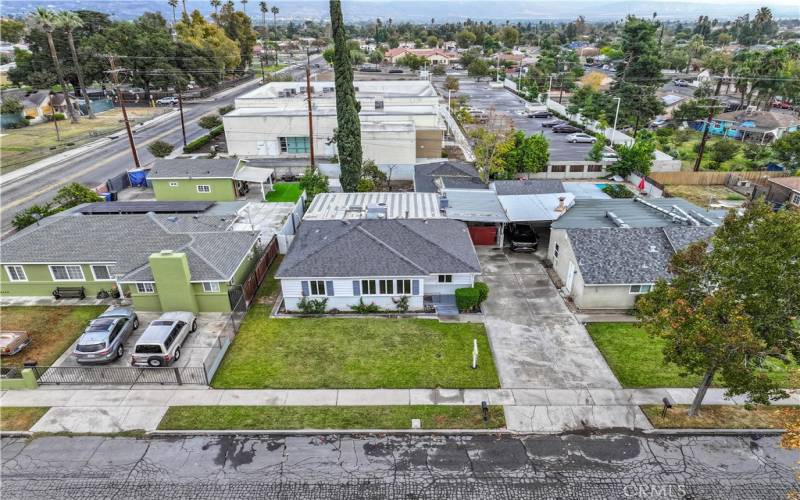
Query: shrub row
x,y
203,140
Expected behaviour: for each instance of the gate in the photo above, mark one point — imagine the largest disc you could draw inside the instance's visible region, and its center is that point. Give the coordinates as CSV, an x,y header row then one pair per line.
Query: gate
x,y
250,286
120,375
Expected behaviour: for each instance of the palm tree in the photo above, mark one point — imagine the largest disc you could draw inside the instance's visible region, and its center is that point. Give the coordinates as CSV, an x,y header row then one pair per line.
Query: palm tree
x,y
264,9
216,4
45,20
275,10
244,6
68,21
173,4
183,5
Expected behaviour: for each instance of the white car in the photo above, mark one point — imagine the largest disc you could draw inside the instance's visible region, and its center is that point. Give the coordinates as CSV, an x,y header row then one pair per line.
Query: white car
x,y
160,344
168,100
581,137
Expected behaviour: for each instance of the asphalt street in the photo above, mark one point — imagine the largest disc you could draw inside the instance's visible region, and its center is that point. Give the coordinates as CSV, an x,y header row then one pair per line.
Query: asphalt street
x,y
484,97
96,166
409,467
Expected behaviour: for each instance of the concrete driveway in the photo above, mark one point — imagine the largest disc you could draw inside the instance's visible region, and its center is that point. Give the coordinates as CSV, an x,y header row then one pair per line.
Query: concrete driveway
x,y
536,340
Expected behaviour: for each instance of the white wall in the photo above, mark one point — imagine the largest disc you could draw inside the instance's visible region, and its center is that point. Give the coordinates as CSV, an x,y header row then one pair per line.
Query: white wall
x,y
399,172
433,287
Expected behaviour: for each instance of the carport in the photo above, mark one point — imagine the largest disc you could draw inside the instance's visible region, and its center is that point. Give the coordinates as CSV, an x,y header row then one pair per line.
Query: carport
x,y
262,176
536,209
481,210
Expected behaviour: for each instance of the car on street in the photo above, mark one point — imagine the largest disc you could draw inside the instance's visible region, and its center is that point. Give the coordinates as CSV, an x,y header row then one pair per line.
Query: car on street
x,y
160,343
565,128
581,137
104,339
609,154
13,342
540,114
395,70
553,123
523,238
167,101
658,122
680,83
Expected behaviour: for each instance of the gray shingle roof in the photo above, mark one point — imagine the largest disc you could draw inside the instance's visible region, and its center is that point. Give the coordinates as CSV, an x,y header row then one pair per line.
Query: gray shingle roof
x,y
183,168
395,247
630,256
451,172
591,213
536,186
127,241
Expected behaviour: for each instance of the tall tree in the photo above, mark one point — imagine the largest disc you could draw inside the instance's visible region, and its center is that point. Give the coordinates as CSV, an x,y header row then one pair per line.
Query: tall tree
x,y
174,5
216,4
239,28
262,6
732,304
348,131
46,21
244,6
183,6
209,37
68,21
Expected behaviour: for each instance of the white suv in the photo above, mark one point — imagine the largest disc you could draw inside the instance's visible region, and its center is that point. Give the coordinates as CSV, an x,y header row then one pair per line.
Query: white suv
x,y
160,344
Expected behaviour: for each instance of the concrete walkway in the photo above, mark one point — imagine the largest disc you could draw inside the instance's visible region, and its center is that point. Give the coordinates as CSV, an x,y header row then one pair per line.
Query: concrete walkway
x,y
527,410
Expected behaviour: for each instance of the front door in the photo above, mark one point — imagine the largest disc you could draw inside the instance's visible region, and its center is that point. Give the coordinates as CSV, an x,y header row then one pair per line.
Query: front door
x,y
570,277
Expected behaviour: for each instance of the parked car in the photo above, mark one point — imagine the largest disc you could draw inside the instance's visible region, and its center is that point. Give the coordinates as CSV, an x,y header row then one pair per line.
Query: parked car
x,y
523,238
160,344
534,106
540,114
370,69
104,339
609,154
658,122
168,100
553,123
581,137
565,128
13,342
395,70
680,83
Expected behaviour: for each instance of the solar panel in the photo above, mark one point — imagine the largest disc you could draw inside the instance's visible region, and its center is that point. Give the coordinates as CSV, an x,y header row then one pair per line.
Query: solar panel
x,y
143,207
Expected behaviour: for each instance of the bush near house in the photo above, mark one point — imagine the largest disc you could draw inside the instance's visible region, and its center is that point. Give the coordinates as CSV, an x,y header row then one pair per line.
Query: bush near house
x,y
618,191
210,121
160,149
468,299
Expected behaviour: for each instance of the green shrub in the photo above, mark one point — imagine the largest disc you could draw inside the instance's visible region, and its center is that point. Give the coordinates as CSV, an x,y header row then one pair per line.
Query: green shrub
x,y
160,149
467,299
483,291
362,308
55,117
216,130
197,144
401,304
226,109
210,121
31,215
312,306
618,191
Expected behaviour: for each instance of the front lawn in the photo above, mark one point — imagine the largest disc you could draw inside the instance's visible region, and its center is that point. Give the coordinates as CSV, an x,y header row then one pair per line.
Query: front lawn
x,y
285,191
722,417
19,418
52,330
328,417
306,353
637,359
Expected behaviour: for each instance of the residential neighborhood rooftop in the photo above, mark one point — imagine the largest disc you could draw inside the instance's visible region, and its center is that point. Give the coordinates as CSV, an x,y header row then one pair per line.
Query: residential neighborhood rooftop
x,y
184,168
453,174
534,186
473,205
393,247
630,256
379,205
594,213
792,183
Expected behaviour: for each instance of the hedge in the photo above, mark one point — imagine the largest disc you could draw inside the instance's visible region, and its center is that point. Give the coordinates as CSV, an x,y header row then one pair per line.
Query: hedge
x,y
467,299
203,139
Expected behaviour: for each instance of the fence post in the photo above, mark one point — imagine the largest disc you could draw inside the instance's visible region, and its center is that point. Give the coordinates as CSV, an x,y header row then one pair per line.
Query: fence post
x,y
178,375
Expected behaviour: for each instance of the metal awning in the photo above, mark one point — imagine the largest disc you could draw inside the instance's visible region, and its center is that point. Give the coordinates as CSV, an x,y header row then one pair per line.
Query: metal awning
x,y
253,174
535,207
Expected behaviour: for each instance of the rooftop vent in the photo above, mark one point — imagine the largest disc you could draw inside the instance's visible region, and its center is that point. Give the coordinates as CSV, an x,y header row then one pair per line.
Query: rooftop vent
x,y
561,207
377,211
617,221
653,249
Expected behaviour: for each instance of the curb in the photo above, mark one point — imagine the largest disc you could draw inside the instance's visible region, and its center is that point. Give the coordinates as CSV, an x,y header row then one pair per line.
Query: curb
x,y
15,434
306,432
715,432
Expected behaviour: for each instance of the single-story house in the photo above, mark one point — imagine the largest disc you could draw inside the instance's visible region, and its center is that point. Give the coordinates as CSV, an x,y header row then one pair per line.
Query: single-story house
x,y
379,261
608,268
782,190
608,251
226,179
760,126
162,262
433,56
434,177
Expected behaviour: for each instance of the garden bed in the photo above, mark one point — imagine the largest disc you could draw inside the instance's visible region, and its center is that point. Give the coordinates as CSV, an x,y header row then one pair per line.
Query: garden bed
x,y
722,417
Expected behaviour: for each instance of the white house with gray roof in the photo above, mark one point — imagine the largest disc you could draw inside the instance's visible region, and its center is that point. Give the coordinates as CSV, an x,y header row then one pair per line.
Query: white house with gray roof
x,y
607,252
379,261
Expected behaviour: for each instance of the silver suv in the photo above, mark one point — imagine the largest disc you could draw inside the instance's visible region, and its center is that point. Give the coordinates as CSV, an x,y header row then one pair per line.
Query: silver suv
x,y
160,344
104,339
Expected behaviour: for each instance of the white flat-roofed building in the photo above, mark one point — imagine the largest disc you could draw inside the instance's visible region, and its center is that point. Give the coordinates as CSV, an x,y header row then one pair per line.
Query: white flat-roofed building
x,y
400,121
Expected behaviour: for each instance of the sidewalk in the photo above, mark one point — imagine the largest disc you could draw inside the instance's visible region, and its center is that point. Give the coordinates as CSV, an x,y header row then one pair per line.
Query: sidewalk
x,y
527,410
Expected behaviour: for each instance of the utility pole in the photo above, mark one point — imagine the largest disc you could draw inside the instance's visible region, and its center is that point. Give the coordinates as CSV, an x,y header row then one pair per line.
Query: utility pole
x,y
115,79
616,115
55,122
263,75
310,115
180,107
711,109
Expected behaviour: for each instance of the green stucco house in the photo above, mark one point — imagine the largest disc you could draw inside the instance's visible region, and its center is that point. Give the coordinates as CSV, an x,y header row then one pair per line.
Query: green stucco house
x,y
161,262
182,179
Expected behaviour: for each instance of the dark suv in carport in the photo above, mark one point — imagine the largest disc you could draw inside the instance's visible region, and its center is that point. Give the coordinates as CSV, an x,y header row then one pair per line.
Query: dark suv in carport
x,y
523,238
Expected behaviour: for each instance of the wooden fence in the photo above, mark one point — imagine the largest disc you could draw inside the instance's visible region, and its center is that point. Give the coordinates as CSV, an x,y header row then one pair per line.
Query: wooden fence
x,y
711,178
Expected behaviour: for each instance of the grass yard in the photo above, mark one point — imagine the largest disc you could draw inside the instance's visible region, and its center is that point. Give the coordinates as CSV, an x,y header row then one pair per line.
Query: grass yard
x,y
704,195
723,417
23,146
637,360
285,191
52,329
20,419
328,417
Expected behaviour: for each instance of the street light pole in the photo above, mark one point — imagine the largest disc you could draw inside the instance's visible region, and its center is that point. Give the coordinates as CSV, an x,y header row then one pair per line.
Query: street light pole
x,y
310,115
616,115
550,87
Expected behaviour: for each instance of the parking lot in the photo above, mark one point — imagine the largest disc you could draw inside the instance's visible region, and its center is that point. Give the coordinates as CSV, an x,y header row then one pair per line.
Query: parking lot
x,y
198,345
483,96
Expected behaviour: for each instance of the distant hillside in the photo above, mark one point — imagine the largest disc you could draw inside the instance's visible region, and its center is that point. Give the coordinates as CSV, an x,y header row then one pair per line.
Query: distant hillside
x,y
423,11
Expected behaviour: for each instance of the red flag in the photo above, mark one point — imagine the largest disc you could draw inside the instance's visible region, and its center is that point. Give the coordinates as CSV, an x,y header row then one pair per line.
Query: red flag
x,y
641,184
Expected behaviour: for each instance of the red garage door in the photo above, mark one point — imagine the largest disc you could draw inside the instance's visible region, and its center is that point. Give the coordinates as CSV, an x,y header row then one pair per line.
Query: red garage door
x,y
483,235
